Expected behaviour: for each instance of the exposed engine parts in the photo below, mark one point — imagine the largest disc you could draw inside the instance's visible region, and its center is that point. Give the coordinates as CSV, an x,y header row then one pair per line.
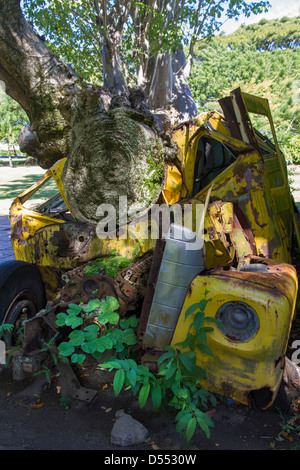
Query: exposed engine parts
x,y
128,286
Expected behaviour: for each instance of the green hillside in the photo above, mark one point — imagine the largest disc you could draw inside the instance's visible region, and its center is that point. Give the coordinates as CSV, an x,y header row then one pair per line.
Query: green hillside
x,y
262,59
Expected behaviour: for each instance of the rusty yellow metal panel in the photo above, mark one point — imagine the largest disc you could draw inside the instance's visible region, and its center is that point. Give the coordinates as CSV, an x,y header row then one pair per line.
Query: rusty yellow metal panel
x,y
56,171
245,183
281,190
240,367
173,185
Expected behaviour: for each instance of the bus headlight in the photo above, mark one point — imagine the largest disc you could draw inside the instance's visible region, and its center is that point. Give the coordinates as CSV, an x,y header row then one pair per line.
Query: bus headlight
x,y
239,321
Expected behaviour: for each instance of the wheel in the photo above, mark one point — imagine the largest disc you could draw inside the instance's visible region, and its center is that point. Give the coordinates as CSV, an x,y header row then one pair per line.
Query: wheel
x,y
22,293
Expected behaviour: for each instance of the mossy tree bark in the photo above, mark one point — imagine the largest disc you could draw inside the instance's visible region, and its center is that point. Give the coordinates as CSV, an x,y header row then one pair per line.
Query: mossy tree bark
x,y
110,139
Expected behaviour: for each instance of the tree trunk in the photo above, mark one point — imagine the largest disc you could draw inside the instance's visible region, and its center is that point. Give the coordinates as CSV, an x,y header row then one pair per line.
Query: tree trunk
x,y
182,97
10,162
111,138
45,87
113,78
160,93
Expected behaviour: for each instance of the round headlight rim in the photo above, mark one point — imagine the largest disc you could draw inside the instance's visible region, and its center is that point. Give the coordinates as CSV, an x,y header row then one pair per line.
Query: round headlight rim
x,y
231,337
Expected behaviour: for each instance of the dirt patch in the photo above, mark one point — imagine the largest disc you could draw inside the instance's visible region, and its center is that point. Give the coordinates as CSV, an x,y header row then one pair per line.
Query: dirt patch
x,y
33,416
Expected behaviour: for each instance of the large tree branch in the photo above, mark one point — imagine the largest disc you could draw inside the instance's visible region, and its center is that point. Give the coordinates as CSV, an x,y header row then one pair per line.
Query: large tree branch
x,y
45,87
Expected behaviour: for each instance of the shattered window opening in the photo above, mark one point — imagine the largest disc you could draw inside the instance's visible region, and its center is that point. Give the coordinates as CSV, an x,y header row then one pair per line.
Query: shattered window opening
x,y
212,158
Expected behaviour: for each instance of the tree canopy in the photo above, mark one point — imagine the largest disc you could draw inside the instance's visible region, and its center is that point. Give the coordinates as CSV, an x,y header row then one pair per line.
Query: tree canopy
x,y
262,59
84,32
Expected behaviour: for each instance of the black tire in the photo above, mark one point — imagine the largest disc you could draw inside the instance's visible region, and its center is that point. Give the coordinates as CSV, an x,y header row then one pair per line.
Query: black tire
x,y
21,289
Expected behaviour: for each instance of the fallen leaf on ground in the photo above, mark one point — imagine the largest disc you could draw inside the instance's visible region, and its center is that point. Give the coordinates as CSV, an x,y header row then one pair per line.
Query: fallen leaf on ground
x,y
38,405
287,436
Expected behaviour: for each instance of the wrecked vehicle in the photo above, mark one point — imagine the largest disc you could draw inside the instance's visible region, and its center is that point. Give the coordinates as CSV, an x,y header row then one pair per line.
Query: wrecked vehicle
x,y
245,265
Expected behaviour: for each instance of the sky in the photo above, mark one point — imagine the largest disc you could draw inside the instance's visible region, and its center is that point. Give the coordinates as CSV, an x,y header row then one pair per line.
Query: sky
x,y
279,8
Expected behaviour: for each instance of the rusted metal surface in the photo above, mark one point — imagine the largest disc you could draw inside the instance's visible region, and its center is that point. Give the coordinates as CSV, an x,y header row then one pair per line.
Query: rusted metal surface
x,y
242,118
38,330
227,108
246,370
128,286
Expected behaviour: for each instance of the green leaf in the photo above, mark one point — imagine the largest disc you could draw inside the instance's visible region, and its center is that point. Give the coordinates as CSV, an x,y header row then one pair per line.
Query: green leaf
x,y
131,377
205,349
143,395
106,341
171,371
73,321
108,317
156,395
214,320
133,321
74,309
110,305
183,419
61,319
207,329
100,346
189,342
118,381
187,361
200,371
190,429
91,332
204,423
89,347
129,337
124,323
201,335
198,321
111,365
203,303
66,349
78,358
76,337
92,305
165,356
192,309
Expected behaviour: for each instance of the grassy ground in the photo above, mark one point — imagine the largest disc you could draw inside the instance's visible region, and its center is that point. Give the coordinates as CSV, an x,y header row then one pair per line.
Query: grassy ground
x,y
13,181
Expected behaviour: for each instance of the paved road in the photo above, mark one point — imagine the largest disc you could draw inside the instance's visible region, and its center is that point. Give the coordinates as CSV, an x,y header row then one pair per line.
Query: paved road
x,y
6,250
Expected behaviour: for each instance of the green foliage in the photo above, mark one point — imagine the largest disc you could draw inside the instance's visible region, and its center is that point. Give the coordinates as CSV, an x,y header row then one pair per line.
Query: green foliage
x,y
5,327
177,382
12,119
111,264
106,333
71,32
266,35
291,150
74,31
263,59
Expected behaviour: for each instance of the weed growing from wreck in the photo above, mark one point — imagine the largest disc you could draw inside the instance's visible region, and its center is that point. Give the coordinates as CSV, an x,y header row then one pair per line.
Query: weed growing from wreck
x,y
111,264
105,331
177,381
5,327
